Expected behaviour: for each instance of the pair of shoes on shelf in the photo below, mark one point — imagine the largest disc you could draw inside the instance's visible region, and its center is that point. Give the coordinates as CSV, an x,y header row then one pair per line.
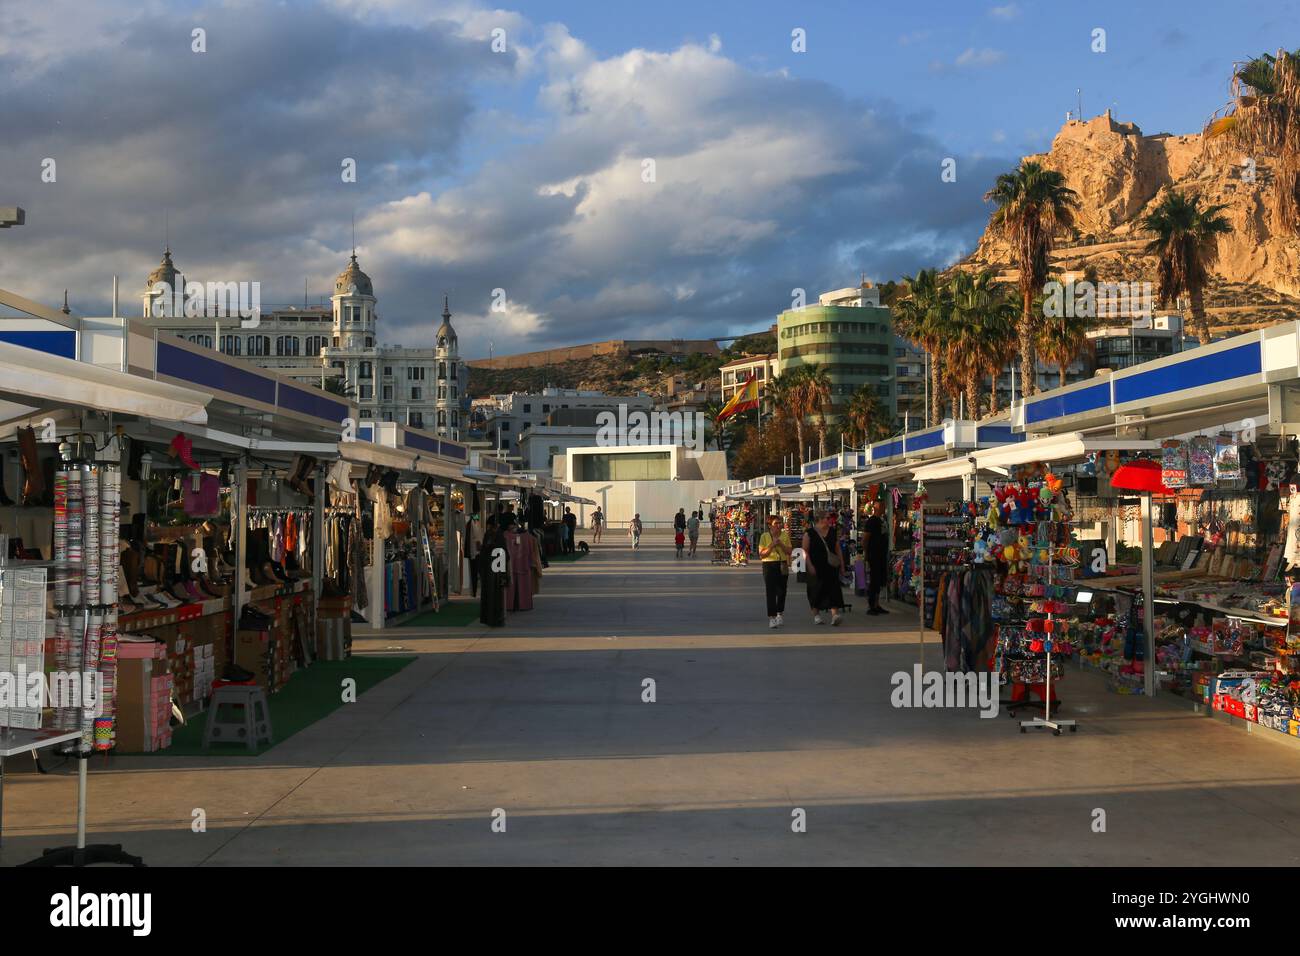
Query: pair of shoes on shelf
x,y
154,598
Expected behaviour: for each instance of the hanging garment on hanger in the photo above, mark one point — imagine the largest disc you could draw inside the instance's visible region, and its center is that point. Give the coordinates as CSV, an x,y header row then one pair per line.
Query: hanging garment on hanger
x,y
519,548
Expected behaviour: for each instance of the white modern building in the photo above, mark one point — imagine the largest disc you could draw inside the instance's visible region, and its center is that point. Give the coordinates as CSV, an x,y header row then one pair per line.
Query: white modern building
x,y
419,387
650,480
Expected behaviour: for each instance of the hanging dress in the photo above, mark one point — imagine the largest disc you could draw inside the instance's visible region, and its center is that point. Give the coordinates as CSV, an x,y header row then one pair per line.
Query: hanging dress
x,y
519,548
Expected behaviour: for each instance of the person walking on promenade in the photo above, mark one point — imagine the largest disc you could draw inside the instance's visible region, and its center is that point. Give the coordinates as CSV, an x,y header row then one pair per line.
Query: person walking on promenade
x,y
774,550
679,530
877,555
634,532
693,531
570,531
494,580
822,550
597,525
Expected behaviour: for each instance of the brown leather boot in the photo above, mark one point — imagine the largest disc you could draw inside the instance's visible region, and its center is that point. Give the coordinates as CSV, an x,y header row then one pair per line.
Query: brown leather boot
x,y
34,485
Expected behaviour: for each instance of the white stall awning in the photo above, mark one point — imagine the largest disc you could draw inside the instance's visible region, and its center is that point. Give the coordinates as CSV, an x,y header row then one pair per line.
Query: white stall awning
x,y
1054,449
366,453
38,379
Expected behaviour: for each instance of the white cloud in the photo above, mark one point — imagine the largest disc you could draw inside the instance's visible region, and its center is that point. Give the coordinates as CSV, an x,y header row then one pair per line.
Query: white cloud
x,y
970,58
1007,12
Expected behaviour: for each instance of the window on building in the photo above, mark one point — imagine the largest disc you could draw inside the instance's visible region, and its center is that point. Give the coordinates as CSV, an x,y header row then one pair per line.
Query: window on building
x,y
336,341
365,370
204,340
415,373
388,393
545,409
365,413
644,466
442,419
442,392
453,392
527,408
388,371
416,393
287,345
442,370
314,344
232,345
455,419
417,419
365,392
259,345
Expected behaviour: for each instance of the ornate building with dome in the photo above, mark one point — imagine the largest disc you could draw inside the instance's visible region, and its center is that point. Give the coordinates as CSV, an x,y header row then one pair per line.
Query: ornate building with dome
x,y
420,387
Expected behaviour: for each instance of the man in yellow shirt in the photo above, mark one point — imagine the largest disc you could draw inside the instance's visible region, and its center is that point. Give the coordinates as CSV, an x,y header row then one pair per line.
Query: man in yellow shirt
x,y
774,549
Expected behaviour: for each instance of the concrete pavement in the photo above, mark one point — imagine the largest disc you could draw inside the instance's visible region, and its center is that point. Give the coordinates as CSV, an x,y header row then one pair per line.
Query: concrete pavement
x,y
544,720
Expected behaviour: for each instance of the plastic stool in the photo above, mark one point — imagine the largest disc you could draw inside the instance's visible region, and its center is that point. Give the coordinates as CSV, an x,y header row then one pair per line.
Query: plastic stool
x,y
248,727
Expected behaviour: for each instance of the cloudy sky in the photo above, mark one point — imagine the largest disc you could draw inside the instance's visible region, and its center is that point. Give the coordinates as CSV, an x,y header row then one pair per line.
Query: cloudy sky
x,y
525,168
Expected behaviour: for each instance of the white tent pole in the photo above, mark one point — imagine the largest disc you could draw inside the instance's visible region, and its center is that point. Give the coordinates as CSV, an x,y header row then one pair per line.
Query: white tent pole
x,y
1148,597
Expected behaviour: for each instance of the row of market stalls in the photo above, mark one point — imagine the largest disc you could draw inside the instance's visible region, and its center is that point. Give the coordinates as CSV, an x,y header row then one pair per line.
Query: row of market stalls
x,y
227,515
1150,510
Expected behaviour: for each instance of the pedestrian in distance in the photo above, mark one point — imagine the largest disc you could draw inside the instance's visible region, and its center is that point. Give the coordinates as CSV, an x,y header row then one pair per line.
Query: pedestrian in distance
x,y
634,532
877,554
774,551
693,531
597,525
821,548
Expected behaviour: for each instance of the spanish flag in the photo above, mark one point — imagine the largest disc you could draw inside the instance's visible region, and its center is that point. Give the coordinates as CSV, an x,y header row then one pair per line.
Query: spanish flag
x,y
745,399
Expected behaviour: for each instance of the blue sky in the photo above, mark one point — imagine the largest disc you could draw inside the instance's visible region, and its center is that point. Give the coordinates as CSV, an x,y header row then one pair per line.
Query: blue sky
x,y
522,170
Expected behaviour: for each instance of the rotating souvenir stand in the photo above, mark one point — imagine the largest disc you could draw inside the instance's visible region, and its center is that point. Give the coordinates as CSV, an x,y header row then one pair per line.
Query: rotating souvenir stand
x,y
1055,725
1033,516
86,505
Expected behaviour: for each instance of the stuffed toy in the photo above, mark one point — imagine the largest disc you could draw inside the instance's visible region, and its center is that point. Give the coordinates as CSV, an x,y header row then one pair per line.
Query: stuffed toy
x,y
1026,499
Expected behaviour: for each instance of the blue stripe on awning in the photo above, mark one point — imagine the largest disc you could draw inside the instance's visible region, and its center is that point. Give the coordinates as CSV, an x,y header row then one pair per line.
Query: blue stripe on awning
x,y
924,440
312,402
422,442
197,369
450,449
63,344
1192,373
1070,403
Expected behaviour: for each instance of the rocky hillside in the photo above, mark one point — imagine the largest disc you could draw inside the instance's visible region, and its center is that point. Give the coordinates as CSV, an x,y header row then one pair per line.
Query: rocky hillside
x,y
615,374
1120,174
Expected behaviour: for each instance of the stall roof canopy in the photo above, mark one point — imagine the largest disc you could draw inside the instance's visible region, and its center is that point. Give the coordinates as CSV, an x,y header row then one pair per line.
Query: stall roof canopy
x,y
37,379
1055,449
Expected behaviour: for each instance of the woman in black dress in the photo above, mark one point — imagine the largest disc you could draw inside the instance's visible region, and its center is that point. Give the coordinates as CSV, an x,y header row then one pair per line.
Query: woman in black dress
x,y
823,563
492,604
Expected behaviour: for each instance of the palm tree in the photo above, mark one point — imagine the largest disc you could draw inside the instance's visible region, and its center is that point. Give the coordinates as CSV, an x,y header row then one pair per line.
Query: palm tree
x,y
1033,205
1187,244
1061,339
1264,117
338,385
817,382
718,429
919,317
789,400
980,335
865,419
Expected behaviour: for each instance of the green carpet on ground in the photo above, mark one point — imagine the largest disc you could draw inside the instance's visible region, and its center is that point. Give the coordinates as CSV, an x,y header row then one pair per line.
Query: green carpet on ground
x,y
455,614
308,696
